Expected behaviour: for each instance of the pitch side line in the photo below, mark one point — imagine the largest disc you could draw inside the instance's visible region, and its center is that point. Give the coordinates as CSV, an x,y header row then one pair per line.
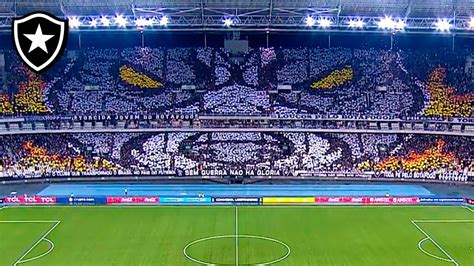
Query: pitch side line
x,y
436,244
236,236
43,237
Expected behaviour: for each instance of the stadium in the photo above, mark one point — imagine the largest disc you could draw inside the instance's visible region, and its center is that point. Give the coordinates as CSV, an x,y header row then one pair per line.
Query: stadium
x,y
237,132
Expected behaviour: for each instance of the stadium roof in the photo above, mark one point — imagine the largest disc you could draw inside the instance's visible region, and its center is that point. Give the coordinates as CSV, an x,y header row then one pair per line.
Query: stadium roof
x,y
418,15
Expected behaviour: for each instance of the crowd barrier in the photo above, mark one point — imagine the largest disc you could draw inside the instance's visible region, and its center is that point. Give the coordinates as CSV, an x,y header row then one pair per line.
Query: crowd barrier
x,y
128,200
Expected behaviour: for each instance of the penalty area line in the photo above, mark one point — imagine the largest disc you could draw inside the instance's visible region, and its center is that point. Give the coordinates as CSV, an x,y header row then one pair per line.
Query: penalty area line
x,y
51,247
420,247
451,259
42,238
468,208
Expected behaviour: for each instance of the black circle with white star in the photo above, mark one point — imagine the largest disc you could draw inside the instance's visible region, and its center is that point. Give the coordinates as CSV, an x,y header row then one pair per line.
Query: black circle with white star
x,y
38,39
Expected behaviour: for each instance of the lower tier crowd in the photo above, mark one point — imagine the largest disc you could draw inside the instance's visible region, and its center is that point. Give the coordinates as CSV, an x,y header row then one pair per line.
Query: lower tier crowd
x,y
285,154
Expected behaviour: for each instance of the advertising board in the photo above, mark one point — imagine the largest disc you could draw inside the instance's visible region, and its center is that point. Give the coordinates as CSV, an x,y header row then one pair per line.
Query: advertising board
x,y
237,200
288,200
27,200
185,200
132,200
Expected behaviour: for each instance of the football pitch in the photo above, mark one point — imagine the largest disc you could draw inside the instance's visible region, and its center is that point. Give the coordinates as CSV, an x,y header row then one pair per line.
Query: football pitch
x,y
230,235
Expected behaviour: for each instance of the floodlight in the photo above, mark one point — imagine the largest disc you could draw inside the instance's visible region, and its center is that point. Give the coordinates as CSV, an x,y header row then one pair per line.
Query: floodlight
x,y
164,21
93,23
121,21
105,21
443,24
400,24
140,22
386,23
356,23
74,22
228,22
471,24
324,23
310,22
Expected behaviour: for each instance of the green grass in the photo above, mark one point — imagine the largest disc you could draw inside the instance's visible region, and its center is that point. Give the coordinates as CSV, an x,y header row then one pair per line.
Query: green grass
x,y
315,235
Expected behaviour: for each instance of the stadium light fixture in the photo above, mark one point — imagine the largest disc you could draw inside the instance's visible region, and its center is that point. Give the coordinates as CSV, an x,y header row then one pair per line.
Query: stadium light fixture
x,y
471,23
150,21
105,21
309,21
400,24
324,23
140,22
228,22
93,23
356,23
121,21
387,23
74,22
443,25
164,20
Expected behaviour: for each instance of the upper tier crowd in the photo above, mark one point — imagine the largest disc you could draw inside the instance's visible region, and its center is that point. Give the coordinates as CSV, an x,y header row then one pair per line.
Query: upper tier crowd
x,y
430,83
287,154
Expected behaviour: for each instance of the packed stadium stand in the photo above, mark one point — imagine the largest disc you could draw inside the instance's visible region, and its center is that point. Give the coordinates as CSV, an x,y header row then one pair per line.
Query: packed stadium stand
x,y
97,84
338,81
263,154
131,107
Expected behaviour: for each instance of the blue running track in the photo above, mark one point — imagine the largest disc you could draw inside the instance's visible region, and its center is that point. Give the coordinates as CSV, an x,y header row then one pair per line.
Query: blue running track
x,y
234,190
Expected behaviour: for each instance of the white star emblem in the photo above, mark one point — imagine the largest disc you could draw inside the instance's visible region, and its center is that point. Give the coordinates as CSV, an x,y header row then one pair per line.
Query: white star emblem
x,y
38,40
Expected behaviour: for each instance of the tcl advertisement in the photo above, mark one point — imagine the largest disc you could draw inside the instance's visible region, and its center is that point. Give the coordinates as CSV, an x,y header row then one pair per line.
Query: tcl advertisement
x,y
470,201
33,200
367,200
133,200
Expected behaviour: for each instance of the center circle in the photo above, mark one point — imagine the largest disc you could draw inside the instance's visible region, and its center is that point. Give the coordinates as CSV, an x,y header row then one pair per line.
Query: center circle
x,y
239,237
